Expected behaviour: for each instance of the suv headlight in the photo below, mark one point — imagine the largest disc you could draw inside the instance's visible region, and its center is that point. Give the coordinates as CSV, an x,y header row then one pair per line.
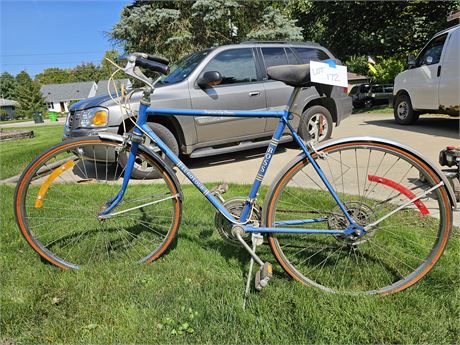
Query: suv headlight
x,y
94,117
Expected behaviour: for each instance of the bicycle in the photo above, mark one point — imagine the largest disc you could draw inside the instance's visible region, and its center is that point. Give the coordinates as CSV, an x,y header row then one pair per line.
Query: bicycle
x,y
355,215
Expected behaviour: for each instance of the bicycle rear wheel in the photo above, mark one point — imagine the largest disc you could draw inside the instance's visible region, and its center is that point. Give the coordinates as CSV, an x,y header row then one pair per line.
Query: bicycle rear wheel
x,y
61,193
372,179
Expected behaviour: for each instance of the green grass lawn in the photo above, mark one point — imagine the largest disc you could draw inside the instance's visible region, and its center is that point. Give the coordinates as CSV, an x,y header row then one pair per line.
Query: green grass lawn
x,y
16,154
194,295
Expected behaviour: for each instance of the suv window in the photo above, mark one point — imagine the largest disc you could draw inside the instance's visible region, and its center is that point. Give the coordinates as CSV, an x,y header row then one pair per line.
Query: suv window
x,y
354,89
185,66
365,88
388,88
432,52
292,60
377,89
308,54
274,56
235,66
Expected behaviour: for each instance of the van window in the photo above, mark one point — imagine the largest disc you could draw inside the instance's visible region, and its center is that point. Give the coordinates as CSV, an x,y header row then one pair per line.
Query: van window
x,y
274,57
432,52
308,54
235,66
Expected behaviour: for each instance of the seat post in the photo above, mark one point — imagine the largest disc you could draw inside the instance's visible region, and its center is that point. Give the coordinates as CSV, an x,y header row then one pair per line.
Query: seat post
x,y
293,97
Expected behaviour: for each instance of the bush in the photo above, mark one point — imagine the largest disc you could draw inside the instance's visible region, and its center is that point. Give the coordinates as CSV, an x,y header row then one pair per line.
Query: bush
x,y
386,69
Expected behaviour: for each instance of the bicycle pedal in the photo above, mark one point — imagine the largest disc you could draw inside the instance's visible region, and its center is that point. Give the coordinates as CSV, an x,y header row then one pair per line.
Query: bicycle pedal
x,y
263,275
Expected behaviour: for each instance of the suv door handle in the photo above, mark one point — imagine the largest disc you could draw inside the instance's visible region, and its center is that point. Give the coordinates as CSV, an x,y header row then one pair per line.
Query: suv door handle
x,y
254,93
439,70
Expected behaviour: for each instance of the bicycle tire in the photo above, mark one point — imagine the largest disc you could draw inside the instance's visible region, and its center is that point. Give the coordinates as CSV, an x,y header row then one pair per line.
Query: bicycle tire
x,y
61,192
388,259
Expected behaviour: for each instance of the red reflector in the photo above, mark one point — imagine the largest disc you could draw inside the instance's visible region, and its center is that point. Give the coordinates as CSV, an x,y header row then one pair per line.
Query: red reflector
x,y
345,90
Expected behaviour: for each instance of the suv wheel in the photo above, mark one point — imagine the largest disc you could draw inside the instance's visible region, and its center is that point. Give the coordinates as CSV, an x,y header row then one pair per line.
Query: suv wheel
x,y
368,103
316,124
143,171
403,112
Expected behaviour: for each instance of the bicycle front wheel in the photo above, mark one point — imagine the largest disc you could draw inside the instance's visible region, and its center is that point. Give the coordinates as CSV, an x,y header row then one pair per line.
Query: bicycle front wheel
x,y
376,182
61,193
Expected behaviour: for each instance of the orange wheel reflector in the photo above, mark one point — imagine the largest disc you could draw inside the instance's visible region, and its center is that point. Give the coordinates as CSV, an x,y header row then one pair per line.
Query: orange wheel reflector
x,y
44,187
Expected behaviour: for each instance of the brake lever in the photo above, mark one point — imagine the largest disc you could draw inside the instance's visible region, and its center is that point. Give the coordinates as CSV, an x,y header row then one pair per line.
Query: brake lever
x,y
132,70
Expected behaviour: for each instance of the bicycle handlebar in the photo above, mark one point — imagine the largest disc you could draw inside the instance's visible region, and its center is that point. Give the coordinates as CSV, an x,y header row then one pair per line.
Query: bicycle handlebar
x,y
152,65
152,58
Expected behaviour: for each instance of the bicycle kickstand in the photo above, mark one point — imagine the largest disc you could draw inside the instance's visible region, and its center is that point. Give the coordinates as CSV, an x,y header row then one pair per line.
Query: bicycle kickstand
x,y
265,271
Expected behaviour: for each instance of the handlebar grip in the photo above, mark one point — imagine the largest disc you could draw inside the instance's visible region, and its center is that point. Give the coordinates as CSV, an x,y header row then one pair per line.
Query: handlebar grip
x,y
153,65
152,58
157,59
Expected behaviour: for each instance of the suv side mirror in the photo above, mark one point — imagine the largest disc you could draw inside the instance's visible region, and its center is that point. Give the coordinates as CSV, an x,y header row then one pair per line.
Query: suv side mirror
x,y
210,78
411,61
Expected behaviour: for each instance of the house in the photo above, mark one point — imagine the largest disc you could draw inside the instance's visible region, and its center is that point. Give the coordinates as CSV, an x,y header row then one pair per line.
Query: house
x,y
7,108
58,97
354,79
102,86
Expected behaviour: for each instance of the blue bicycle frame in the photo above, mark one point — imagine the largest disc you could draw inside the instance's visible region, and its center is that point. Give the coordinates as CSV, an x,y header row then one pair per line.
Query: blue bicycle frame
x,y
142,127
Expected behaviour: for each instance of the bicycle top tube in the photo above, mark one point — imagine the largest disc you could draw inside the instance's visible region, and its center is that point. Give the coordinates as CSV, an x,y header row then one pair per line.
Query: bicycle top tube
x,y
221,113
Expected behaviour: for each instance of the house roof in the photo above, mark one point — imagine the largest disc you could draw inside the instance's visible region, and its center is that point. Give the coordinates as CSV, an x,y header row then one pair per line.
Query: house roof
x,y
354,76
67,92
8,103
102,86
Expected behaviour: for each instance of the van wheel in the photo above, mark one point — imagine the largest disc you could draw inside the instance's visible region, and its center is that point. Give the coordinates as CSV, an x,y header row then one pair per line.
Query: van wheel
x,y
144,171
315,124
403,112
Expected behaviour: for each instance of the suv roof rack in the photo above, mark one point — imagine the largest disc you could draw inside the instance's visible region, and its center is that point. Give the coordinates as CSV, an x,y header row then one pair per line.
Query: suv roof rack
x,y
280,42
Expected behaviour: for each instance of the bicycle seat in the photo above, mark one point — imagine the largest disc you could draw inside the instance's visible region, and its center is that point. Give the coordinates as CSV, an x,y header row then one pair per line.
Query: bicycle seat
x,y
293,75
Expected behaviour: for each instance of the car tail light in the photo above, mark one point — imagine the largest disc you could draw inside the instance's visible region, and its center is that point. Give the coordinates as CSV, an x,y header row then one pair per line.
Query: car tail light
x,y
345,89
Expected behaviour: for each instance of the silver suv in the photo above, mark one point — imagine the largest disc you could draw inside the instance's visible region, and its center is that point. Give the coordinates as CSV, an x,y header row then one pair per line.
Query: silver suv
x,y
244,86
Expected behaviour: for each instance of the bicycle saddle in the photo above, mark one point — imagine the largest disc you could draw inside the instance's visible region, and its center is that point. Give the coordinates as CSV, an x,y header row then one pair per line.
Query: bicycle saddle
x,y
293,75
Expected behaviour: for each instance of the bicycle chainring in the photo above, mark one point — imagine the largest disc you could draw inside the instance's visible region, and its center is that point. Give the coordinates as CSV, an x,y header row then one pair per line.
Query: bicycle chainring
x,y
224,226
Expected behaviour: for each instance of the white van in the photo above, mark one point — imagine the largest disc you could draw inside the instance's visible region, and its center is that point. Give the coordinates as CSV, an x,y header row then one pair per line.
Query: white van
x,y
432,82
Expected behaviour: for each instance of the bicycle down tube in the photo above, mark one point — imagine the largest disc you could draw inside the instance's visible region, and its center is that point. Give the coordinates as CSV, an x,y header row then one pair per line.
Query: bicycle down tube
x,y
142,127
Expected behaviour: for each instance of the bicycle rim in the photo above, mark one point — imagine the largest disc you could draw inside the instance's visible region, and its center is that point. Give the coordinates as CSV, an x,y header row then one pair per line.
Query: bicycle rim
x,y
61,193
372,180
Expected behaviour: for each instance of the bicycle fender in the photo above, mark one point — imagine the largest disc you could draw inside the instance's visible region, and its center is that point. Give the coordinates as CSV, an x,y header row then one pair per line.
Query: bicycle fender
x,y
151,153
301,156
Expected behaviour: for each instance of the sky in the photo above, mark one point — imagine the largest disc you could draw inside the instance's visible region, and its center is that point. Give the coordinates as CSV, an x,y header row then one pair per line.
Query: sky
x,y
38,34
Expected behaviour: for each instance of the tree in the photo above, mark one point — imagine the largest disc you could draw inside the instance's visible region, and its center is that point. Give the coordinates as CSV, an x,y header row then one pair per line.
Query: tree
x,y
173,29
55,75
106,68
30,99
23,78
8,86
85,72
383,28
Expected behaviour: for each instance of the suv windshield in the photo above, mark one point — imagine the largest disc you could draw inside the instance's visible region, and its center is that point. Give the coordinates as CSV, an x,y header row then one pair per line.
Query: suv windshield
x,y
181,69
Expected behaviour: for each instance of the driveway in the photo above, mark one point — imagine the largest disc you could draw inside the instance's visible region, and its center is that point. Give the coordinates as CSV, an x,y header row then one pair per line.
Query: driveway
x,y
428,136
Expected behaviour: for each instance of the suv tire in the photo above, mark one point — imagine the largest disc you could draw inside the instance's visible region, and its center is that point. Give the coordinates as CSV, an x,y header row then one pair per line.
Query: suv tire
x,y
368,103
316,124
168,138
403,112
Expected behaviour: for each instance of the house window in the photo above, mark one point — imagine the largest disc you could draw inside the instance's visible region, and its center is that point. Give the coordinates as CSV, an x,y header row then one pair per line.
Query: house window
x,y
50,105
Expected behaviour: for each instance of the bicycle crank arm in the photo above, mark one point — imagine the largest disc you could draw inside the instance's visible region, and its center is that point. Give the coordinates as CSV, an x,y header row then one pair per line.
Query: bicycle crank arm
x,y
237,230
